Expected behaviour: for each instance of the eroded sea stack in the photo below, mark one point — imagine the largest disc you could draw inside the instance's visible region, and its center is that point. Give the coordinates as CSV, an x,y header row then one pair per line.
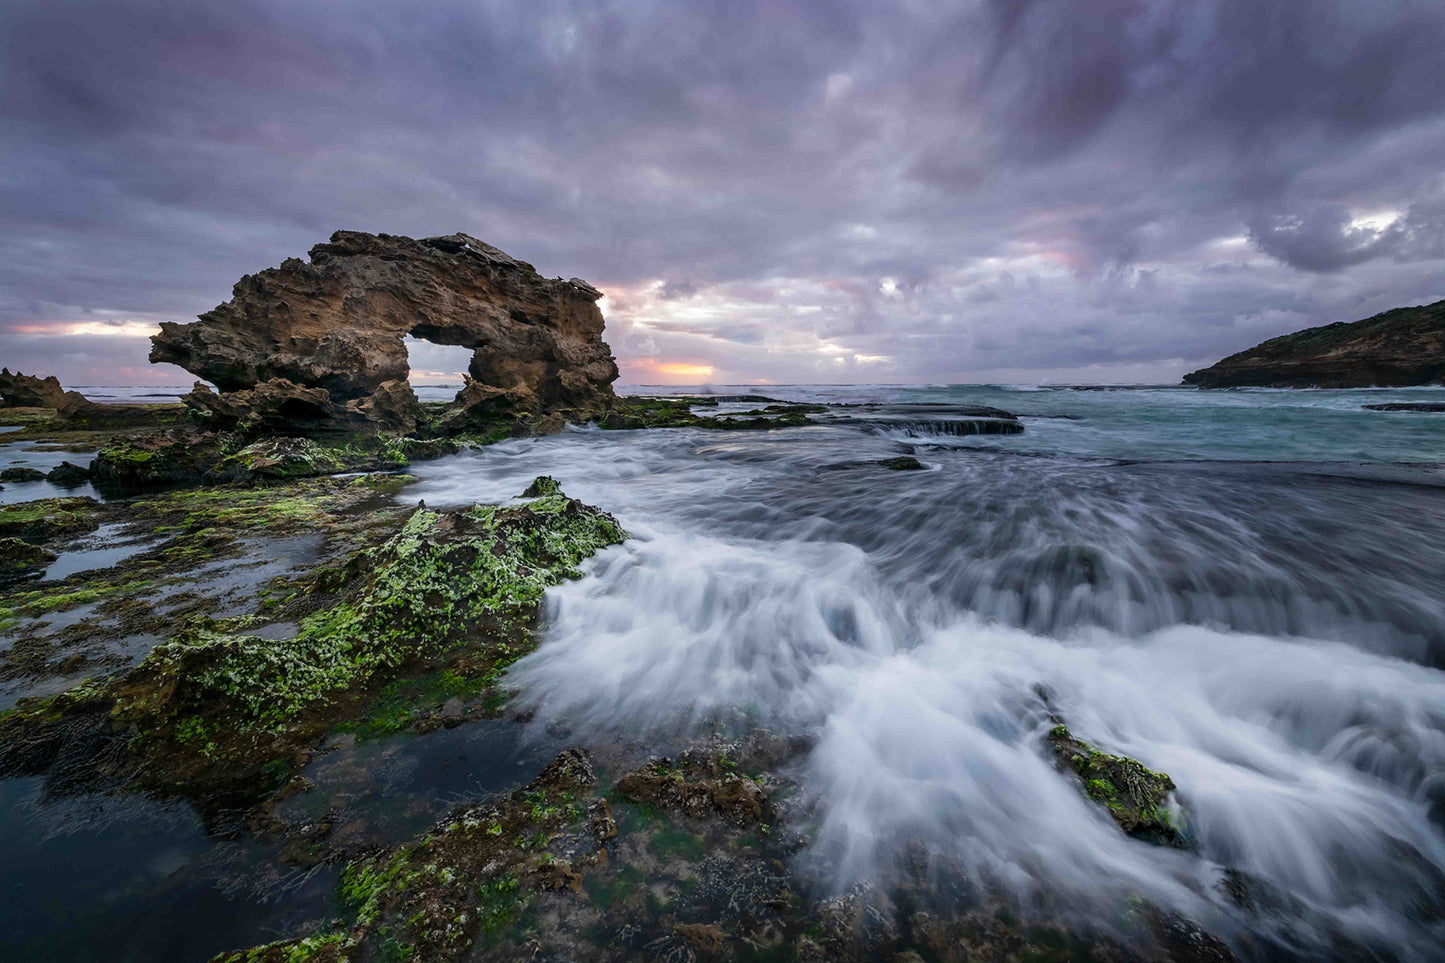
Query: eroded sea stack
x,y
318,346
31,391
1395,349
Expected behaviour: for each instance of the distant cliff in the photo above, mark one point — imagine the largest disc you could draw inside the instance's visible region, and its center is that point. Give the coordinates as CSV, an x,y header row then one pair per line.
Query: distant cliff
x,y
1405,346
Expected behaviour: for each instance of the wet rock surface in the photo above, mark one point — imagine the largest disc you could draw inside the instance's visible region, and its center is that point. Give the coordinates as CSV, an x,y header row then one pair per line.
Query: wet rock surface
x,y
677,412
48,518
212,707
1136,797
1402,347
318,346
1409,406
20,560
68,475
572,866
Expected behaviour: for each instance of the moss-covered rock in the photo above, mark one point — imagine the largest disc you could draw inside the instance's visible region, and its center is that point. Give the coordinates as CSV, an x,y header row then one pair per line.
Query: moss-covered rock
x,y
279,459
19,560
542,485
467,879
214,705
902,463
22,474
191,458
48,518
699,784
1136,796
634,413
160,460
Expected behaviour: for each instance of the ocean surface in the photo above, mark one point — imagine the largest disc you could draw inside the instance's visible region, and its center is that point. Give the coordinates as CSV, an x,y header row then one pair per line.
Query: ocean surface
x,y
1244,589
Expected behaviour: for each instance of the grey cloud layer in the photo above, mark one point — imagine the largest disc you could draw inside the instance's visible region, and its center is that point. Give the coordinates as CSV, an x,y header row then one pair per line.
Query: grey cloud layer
x,y
1043,185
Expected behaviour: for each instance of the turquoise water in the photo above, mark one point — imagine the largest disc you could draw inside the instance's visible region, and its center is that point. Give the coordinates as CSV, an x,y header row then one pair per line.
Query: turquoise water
x,y
1166,423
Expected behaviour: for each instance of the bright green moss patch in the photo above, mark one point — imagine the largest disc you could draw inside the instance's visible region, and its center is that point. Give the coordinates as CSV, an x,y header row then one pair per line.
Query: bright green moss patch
x,y
48,518
433,586
1135,796
63,596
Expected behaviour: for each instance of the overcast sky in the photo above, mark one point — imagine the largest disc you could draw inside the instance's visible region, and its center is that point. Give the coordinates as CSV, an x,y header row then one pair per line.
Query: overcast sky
x,y
1011,190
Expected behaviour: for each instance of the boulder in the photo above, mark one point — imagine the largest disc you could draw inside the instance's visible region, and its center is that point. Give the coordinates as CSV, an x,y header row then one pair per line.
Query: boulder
x,y
21,560
28,391
319,345
68,475
160,460
1136,797
22,474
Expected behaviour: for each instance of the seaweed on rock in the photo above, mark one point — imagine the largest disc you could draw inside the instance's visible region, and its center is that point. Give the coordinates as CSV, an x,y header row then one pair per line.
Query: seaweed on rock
x,y
212,706
1136,797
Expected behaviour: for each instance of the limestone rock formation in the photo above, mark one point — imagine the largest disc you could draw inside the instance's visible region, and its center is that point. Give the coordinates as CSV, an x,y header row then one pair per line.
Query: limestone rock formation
x,y
29,391
1405,346
319,345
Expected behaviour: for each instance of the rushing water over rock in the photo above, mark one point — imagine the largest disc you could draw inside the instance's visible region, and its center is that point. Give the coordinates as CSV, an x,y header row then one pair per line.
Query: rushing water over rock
x,y
1271,635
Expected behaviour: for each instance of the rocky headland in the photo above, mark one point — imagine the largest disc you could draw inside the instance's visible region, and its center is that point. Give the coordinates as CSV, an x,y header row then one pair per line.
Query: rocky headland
x,y
1394,349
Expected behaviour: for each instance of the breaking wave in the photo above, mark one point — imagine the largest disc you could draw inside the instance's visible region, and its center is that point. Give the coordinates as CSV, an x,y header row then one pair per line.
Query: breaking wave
x,y
1256,638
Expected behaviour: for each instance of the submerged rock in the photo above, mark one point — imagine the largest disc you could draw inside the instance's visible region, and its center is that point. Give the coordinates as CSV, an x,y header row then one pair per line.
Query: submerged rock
x,y
467,879
1135,796
318,346
903,463
1405,346
1409,406
700,784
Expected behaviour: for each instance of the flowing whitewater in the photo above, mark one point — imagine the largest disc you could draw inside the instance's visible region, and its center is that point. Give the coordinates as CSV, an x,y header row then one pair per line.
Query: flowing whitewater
x,y
1245,590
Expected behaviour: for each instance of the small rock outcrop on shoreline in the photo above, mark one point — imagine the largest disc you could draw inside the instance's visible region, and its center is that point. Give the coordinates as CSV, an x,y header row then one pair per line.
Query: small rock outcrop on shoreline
x,y
308,347
1395,349
28,391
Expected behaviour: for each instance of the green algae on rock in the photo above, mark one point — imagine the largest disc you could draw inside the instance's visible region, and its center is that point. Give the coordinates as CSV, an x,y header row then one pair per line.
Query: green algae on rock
x,y
214,705
47,518
439,582
465,880
635,413
699,784
20,559
1135,796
